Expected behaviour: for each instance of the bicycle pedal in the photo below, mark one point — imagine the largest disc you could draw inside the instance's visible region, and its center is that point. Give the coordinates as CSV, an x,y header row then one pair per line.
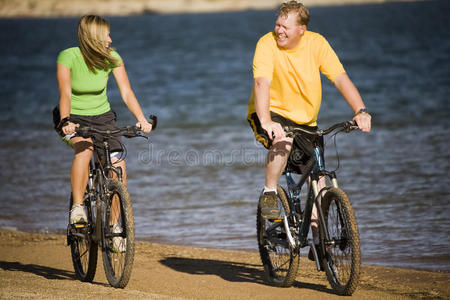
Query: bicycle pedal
x,y
79,225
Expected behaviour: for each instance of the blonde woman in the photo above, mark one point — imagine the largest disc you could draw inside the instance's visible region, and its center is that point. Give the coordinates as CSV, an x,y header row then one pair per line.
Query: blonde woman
x,y
82,74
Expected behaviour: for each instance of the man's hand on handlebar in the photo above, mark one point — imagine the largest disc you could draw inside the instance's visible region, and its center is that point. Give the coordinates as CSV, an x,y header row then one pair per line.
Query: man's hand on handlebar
x,y
274,130
363,120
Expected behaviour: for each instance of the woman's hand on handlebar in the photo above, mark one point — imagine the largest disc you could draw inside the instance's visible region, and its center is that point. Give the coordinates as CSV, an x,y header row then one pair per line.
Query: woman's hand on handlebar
x,y
69,128
144,125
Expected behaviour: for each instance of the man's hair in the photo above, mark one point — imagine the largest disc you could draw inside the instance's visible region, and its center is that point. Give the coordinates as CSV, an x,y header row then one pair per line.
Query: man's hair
x,y
92,34
297,7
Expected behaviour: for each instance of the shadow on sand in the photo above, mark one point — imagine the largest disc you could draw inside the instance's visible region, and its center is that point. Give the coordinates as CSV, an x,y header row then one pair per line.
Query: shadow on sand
x,y
46,272
230,271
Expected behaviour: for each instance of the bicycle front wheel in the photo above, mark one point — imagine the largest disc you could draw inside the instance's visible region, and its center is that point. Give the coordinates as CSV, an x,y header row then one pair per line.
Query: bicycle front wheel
x,y
342,259
279,260
118,235
83,249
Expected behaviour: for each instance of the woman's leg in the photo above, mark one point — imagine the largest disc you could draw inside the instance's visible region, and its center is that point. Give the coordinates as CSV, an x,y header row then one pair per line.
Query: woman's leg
x,y
116,162
79,174
115,207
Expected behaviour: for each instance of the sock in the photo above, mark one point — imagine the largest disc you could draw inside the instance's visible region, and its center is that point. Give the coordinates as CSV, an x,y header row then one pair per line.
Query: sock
x,y
266,189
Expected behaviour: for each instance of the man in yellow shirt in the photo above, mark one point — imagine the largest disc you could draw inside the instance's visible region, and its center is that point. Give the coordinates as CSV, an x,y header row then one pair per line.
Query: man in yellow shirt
x,y
287,91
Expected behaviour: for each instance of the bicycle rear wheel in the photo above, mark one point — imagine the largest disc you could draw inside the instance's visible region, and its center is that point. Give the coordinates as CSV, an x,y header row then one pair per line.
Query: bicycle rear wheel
x,y
83,249
279,260
342,259
118,236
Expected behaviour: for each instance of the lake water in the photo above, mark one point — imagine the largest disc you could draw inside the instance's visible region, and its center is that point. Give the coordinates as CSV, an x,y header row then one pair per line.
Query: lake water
x,y
198,179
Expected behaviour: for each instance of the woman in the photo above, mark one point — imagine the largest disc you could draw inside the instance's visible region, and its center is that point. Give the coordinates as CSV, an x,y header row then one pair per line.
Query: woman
x,y
82,74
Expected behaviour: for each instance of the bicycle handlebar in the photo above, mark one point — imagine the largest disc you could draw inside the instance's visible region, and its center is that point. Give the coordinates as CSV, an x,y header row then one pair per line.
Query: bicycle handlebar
x,y
346,126
127,131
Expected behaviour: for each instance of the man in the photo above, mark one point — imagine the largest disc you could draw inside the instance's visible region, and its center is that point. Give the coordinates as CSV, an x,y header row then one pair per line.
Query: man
x,y
287,91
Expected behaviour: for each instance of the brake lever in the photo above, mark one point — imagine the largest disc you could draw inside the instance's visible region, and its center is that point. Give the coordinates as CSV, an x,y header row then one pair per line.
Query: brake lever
x,y
288,132
351,125
141,135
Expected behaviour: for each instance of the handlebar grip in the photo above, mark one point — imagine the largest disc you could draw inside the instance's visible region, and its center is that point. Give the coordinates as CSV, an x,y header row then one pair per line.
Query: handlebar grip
x,y
154,121
83,131
131,131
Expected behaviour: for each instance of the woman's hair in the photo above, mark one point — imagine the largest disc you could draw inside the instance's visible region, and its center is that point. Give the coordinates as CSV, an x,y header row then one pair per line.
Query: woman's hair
x,y
92,35
299,8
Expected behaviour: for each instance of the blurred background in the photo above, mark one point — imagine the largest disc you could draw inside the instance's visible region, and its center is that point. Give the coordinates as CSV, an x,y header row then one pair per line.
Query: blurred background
x,y
197,180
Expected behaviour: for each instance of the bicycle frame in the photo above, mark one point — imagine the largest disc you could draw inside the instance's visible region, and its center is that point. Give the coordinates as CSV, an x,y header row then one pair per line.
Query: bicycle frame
x,y
110,223
337,250
99,178
314,169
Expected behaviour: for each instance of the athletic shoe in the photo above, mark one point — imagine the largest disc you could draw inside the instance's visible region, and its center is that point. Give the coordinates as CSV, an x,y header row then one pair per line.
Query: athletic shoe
x,y
268,204
119,243
77,214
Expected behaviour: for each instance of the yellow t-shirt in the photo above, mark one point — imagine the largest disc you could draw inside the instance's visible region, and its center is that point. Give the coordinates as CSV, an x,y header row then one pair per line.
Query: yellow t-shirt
x,y
295,89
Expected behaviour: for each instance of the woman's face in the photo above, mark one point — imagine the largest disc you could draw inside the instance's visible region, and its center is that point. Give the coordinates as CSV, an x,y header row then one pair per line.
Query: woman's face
x,y
108,40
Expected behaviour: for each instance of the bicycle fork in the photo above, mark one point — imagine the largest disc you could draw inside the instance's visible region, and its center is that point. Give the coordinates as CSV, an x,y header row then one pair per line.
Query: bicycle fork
x,y
323,232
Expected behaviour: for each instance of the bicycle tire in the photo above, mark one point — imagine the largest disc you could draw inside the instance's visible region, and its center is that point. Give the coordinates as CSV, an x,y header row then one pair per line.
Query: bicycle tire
x,y
342,258
84,250
118,256
279,260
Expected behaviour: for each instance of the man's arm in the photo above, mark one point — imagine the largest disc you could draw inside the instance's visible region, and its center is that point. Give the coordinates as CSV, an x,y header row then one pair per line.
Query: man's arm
x,y
262,101
353,98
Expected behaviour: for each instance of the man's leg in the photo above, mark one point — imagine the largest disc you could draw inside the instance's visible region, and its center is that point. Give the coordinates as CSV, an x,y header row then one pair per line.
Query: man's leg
x,y
314,215
275,163
315,224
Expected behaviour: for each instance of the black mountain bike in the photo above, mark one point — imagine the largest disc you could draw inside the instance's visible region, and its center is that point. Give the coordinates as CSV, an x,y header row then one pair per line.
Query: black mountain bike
x,y
110,223
280,241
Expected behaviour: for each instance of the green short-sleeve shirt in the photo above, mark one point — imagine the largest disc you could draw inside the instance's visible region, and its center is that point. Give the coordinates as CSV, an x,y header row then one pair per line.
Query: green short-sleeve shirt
x,y
88,89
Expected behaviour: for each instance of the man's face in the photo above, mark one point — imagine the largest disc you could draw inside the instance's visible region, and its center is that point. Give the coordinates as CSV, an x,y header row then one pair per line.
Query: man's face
x,y
287,31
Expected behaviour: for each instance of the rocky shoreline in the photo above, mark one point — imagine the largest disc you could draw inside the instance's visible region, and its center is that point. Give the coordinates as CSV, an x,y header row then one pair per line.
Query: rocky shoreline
x,y
72,8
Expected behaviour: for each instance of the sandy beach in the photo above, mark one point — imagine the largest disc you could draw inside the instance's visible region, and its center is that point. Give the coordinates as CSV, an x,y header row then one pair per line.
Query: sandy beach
x,y
39,266
67,8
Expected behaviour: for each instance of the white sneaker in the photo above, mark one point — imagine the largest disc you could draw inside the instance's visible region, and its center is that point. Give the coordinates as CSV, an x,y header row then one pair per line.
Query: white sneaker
x,y
77,214
119,243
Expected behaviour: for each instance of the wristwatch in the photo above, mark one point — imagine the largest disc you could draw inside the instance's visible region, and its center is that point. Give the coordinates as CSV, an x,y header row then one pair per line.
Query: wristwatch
x,y
362,110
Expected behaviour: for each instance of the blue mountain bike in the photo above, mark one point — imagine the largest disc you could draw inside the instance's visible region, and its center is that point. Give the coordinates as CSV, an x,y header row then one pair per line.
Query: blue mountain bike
x,y
280,241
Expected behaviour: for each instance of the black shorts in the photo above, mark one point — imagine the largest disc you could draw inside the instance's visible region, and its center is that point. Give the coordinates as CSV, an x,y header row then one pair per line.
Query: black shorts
x,y
106,121
303,145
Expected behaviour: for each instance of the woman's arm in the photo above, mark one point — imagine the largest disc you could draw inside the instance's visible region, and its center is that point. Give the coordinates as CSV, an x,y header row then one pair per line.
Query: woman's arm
x,y
65,96
128,96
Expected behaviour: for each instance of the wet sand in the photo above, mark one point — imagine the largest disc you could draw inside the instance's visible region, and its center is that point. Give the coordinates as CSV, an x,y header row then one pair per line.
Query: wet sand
x,y
39,266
